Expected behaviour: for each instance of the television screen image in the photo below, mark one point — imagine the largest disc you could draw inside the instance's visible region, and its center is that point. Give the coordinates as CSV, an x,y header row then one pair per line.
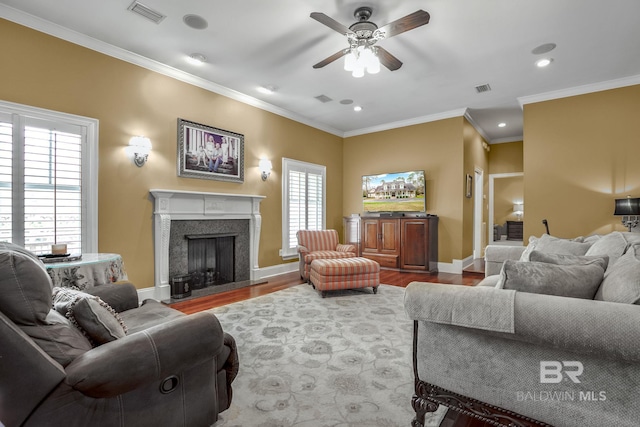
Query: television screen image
x,y
394,192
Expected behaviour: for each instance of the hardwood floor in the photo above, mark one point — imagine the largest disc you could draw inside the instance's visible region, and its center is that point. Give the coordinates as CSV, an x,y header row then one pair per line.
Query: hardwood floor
x,y
276,283
389,277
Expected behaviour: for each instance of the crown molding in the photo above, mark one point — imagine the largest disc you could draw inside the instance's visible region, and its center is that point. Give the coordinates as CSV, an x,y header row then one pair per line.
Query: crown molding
x,y
475,125
409,122
580,90
517,138
74,37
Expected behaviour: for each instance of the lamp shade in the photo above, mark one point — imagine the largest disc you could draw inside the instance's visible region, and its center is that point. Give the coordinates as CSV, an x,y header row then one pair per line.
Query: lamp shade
x,y
518,207
627,206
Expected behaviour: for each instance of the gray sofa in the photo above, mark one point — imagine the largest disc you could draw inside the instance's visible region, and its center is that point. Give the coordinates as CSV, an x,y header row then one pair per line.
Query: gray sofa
x,y
516,350
107,361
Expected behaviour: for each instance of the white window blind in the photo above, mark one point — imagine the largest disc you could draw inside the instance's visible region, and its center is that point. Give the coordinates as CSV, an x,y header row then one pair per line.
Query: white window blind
x,y
47,188
303,199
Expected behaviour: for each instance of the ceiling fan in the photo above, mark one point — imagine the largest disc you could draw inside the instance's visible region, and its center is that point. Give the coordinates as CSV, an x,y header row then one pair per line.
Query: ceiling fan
x,y
362,37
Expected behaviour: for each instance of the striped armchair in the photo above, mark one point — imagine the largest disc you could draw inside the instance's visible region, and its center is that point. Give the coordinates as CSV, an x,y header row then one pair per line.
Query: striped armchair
x,y
320,244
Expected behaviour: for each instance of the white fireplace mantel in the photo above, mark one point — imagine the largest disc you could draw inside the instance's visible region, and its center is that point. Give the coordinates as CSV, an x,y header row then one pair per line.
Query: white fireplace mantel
x,y
172,205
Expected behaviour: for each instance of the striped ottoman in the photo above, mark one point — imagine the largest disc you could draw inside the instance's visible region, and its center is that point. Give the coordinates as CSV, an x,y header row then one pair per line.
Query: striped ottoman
x,y
344,273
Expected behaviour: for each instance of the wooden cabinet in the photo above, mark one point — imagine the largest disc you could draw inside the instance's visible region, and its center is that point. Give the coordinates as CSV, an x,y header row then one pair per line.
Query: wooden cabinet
x,y
401,243
515,230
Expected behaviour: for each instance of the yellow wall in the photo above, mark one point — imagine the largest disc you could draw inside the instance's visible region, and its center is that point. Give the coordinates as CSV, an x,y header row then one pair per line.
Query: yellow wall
x,y
475,156
46,72
506,158
506,192
435,147
580,153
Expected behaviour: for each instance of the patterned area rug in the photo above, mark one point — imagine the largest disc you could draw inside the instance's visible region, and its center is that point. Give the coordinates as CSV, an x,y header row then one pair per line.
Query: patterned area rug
x,y
306,361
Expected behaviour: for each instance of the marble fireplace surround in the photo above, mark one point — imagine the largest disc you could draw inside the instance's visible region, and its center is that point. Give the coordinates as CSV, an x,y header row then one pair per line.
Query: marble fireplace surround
x,y
179,205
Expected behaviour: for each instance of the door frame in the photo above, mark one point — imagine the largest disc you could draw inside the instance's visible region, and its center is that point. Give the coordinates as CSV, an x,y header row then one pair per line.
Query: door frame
x,y
492,178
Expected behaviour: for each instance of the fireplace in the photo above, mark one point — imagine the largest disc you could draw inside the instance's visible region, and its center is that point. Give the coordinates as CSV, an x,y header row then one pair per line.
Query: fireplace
x,y
181,217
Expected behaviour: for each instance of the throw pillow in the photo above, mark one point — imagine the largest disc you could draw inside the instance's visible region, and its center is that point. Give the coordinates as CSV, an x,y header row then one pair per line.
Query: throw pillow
x,y
94,317
559,259
613,245
533,242
555,245
59,338
621,283
575,281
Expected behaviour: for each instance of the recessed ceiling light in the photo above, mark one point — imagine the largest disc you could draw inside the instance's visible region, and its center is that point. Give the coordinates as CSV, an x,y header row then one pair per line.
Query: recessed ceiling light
x,y
195,21
501,124
357,108
543,62
346,101
196,59
543,48
268,89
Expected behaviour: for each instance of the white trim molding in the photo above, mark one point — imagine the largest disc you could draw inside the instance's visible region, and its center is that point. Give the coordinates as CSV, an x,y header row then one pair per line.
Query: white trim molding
x,y
192,205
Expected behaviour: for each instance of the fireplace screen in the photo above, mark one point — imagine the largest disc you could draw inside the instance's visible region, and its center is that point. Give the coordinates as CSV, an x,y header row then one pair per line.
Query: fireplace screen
x,y
211,259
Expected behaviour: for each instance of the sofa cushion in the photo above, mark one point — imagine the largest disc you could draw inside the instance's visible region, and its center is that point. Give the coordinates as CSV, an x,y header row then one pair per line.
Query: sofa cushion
x,y
25,286
621,283
576,281
559,259
94,317
612,245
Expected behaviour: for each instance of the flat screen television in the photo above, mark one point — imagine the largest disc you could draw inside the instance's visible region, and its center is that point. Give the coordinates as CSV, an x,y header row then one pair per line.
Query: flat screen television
x,y
394,192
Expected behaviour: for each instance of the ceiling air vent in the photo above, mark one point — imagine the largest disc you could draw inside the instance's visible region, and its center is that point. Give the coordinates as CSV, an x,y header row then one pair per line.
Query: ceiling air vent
x,y
323,98
483,88
146,12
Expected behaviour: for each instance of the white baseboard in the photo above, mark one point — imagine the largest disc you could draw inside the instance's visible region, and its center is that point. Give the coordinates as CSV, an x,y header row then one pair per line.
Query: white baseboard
x,y
456,266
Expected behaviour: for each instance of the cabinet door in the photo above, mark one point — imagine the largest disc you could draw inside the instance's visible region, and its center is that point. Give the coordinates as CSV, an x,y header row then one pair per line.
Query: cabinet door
x,y
370,234
381,241
389,236
415,244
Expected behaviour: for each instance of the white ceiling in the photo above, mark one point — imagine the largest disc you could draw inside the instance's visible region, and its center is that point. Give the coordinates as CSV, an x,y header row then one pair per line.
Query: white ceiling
x,y
251,43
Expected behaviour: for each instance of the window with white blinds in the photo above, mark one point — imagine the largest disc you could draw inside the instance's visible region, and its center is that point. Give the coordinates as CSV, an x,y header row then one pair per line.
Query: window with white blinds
x,y
303,199
48,190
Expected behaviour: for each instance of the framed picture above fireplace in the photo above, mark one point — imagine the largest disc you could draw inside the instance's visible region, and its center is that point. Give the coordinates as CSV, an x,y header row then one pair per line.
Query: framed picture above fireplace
x,y
209,153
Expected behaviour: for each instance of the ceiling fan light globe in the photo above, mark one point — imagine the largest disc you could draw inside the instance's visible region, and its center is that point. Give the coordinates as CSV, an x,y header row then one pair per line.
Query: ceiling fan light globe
x,y
350,62
367,57
358,72
374,68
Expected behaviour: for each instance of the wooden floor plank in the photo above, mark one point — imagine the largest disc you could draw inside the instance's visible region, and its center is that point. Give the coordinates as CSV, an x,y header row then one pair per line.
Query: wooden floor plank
x,y
282,281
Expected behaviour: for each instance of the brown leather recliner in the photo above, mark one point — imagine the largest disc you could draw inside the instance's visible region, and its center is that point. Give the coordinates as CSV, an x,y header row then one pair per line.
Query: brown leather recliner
x,y
169,369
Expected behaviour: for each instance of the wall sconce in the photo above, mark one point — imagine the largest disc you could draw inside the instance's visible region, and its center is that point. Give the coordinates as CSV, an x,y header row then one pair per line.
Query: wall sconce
x,y
139,149
518,209
629,209
265,168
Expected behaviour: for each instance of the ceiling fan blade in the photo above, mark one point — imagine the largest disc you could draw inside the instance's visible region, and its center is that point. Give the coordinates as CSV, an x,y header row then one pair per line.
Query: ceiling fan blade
x,y
409,22
331,23
388,60
332,58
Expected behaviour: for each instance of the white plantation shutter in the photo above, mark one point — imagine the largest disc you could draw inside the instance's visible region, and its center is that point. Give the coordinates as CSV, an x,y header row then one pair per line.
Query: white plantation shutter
x,y
6,167
303,197
48,189
52,186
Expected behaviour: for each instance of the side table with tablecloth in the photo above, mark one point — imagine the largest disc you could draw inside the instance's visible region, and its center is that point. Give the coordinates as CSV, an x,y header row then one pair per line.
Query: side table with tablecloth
x,y
93,269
